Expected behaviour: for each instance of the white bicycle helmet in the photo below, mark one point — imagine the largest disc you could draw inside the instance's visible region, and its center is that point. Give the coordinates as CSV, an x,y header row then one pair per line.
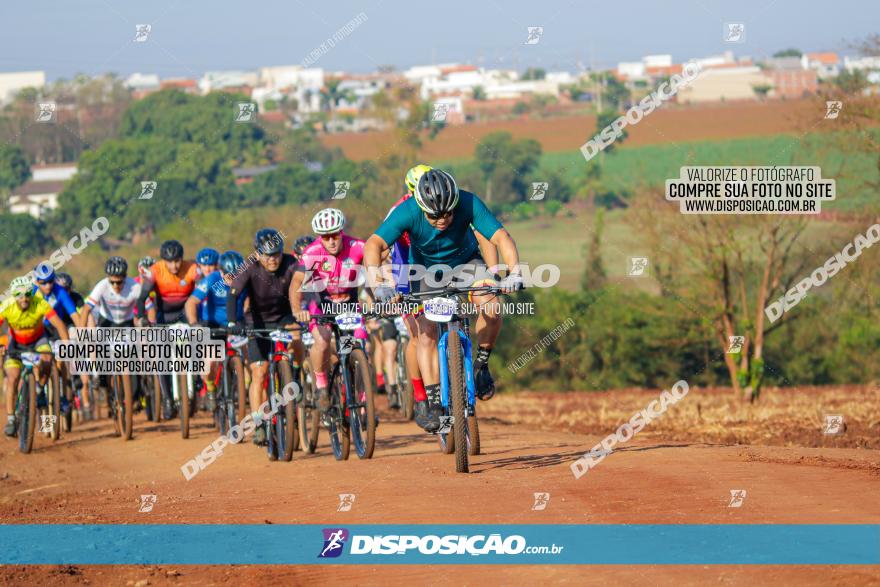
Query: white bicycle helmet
x,y
328,221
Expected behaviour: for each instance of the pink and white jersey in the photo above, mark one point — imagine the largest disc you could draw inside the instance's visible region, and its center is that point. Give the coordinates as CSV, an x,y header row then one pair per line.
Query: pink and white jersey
x,y
334,276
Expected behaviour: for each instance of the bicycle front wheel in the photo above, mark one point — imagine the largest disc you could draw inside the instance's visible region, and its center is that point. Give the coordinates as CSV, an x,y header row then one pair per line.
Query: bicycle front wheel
x,y
340,434
53,388
184,404
124,406
362,413
404,385
27,408
67,387
289,430
458,397
307,415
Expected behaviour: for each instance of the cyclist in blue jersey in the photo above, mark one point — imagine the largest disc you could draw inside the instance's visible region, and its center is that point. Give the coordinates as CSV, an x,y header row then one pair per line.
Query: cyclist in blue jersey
x,y
58,297
207,305
64,306
441,220
207,260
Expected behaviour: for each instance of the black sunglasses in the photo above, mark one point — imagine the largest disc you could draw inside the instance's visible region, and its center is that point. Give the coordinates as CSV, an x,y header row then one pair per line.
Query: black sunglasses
x,y
441,215
116,281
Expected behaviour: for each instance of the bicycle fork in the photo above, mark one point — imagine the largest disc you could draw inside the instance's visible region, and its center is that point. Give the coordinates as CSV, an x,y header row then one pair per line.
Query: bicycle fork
x,y
468,368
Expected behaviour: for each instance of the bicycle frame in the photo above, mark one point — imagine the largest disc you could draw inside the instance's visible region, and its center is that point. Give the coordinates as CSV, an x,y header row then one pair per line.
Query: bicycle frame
x,y
468,365
280,340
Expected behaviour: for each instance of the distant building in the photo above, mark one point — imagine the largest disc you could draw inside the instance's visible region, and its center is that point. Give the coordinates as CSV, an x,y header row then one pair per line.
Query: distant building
x,y
40,194
12,83
825,65
189,86
293,81
222,80
657,61
724,83
784,63
792,83
863,63
631,70
142,84
143,81
245,175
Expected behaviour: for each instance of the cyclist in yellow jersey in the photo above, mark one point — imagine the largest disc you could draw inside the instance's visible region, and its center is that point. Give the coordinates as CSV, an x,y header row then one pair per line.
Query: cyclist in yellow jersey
x,y
24,313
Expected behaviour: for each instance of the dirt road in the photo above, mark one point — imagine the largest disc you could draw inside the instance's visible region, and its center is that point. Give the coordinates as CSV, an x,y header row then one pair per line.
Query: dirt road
x,y
91,477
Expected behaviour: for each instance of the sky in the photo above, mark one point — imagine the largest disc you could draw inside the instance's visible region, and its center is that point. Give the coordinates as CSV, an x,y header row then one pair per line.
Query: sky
x,y
190,37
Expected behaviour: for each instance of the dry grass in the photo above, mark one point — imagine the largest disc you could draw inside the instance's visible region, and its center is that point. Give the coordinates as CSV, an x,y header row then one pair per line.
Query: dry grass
x,y
782,417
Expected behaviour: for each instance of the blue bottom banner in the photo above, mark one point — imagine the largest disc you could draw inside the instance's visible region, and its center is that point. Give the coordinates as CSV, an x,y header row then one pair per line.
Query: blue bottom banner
x,y
617,544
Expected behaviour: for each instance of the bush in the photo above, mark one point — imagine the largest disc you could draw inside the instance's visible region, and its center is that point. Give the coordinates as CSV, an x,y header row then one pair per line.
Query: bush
x,y
552,207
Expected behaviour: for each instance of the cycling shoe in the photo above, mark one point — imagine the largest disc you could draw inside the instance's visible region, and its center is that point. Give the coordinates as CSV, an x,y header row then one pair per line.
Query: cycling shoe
x,y
484,383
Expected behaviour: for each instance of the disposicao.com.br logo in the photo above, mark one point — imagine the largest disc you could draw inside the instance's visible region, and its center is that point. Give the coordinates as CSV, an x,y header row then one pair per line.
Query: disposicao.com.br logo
x,y
431,544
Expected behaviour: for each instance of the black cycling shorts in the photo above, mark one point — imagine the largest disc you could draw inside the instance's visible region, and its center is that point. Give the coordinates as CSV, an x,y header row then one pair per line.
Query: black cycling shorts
x,y
387,329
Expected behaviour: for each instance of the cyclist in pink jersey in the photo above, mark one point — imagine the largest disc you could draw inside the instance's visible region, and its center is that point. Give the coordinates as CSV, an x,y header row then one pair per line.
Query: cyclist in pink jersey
x,y
329,273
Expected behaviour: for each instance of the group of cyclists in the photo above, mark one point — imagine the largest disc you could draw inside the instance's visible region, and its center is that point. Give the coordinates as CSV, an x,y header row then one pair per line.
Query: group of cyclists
x,y
434,224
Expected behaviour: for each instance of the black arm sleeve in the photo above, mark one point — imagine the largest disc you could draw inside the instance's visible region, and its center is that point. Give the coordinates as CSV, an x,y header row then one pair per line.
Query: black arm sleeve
x,y
142,300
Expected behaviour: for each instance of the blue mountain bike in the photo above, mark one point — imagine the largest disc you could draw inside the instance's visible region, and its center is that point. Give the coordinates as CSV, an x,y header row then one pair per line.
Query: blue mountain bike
x,y
459,433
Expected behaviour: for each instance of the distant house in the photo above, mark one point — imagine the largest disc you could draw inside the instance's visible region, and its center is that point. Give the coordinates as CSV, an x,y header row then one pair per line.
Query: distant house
x,y
142,84
790,77
784,63
792,83
40,194
188,86
824,64
227,80
245,175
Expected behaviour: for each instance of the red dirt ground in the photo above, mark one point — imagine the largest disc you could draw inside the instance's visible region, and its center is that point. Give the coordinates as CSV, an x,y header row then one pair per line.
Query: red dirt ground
x,y
91,477
668,124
